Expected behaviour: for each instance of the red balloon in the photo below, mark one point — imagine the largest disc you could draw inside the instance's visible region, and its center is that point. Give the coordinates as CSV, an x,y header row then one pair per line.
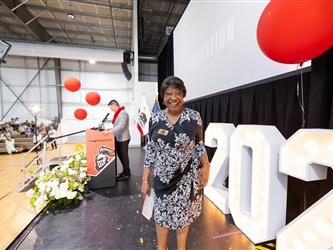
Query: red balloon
x,y
295,31
80,114
72,84
93,98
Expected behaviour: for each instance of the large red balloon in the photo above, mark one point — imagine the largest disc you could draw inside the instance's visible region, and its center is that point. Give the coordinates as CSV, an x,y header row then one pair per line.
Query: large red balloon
x,y
80,114
93,98
295,31
72,84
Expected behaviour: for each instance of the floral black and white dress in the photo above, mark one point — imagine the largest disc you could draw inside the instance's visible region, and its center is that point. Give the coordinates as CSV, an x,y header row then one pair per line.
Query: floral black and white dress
x,y
173,151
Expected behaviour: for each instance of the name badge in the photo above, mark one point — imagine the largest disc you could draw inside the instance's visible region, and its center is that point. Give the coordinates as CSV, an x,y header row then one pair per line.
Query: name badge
x,y
163,132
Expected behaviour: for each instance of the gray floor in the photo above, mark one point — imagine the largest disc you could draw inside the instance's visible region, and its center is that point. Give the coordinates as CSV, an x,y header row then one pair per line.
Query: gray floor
x,y
110,219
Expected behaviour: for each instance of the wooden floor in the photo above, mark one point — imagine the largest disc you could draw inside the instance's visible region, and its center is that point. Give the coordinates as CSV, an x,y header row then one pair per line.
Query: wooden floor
x,y
15,211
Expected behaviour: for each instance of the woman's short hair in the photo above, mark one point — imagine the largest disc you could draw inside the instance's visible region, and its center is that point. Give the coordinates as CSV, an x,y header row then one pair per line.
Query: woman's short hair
x,y
175,82
113,102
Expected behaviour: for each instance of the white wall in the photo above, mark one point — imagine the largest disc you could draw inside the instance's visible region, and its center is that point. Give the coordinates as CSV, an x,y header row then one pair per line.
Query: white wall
x,y
108,81
106,78
17,73
215,47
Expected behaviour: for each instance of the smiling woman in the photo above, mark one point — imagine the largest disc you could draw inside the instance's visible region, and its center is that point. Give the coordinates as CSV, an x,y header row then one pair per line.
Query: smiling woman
x,y
178,156
173,92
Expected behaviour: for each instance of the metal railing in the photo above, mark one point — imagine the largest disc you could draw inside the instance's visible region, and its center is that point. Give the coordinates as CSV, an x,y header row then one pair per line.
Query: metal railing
x,y
26,163
39,159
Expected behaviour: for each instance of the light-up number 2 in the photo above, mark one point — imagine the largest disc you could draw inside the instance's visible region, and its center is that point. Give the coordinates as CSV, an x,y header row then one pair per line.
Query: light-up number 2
x,y
217,135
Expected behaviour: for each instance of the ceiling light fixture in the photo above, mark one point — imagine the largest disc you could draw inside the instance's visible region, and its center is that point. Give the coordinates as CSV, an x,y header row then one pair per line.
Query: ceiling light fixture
x,y
71,15
92,61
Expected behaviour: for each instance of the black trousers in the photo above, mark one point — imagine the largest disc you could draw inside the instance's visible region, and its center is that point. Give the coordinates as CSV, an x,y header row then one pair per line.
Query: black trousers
x,y
54,143
122,152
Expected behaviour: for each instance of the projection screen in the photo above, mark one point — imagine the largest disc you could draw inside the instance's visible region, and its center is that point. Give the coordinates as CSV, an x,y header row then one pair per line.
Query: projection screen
x,y
215,47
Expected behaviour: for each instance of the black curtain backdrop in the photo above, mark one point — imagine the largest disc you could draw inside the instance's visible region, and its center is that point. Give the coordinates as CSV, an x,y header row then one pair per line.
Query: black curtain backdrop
x,y
165,65
274,101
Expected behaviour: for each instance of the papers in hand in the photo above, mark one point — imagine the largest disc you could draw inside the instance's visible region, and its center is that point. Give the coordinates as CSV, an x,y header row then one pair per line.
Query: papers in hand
x,y
147,210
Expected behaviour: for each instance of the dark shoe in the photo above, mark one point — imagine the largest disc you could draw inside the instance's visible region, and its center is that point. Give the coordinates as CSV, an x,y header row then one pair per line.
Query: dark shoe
x,y
122,177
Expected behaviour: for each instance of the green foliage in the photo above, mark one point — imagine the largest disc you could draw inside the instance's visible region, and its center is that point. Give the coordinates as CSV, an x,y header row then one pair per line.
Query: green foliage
x,y
62,184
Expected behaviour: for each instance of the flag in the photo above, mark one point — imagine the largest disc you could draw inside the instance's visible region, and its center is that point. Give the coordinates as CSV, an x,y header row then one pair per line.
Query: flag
x,y
156,106
143,117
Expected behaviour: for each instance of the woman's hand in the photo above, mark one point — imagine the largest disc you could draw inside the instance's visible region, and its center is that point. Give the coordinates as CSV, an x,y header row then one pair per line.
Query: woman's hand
x,y
204,176
204,171
145,188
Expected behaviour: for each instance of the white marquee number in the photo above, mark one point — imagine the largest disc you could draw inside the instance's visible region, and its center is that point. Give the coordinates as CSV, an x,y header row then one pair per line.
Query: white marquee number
x,y
306,156
217,135
257,191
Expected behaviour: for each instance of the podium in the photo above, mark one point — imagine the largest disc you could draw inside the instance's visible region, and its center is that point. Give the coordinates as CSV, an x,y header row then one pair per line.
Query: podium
x,y
101,159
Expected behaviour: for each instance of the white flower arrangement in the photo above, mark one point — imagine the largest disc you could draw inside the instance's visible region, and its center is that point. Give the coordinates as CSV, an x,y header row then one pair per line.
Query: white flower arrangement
x,y
62,184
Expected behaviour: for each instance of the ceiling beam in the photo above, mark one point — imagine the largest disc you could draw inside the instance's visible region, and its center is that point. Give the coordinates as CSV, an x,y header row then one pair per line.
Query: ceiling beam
x,y
81,32
83,24
4,14
150,47
8,36
102,4
154,23
151,39
24,16
186,2
19,5
78,13
8,25
97,44
10,29
112,21
88,41
164,37
161,13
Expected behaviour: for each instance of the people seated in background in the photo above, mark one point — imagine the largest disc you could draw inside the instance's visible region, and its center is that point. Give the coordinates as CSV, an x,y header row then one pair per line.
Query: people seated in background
x,y
52,134
29,131
42,129
17,128
22,128
36,138
9,128
10,145
16,124
2,136
12,122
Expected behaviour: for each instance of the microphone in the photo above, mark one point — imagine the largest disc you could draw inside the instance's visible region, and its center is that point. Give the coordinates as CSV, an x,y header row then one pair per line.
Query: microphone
x,y
105,118
101,125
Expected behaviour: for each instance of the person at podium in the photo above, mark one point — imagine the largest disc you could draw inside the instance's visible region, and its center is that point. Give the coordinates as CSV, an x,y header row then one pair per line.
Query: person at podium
x,y
120,129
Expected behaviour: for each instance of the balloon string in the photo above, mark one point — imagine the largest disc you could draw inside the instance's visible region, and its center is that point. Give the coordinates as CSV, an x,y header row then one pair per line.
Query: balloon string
x,y
300,94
